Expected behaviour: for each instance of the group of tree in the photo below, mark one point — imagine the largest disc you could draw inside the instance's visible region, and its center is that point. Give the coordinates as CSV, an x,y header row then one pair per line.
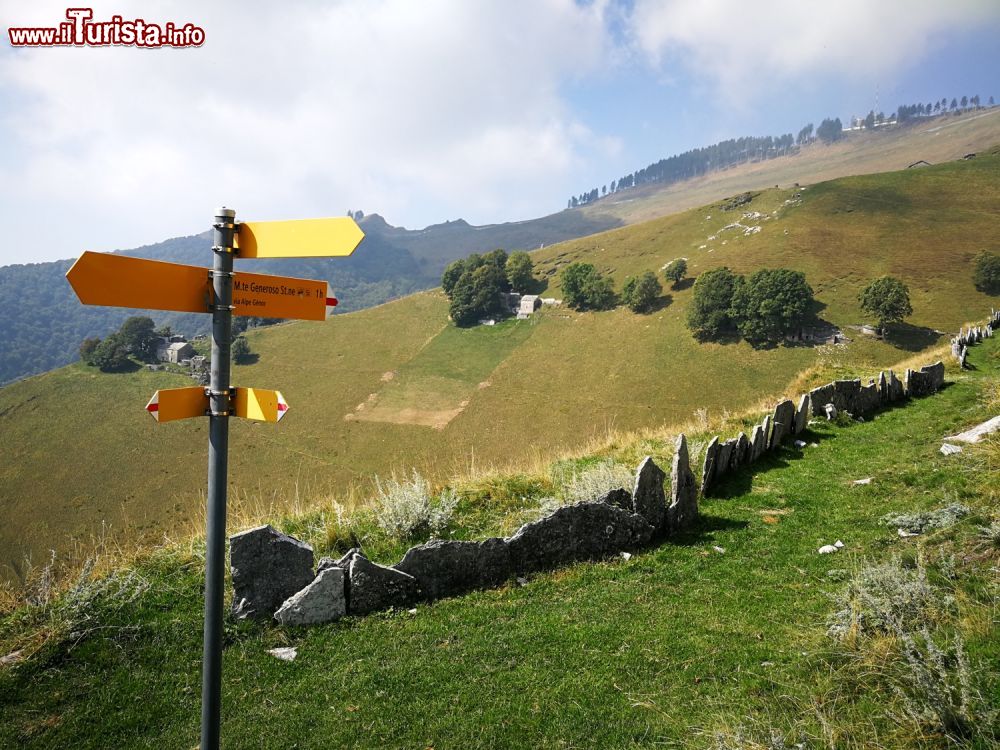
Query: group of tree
x,y
986,272
475,284
906,112
137,338
585,288
695,163
762,308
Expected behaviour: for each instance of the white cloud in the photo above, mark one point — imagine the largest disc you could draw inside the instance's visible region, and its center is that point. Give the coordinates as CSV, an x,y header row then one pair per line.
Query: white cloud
x,y
744,47
422,111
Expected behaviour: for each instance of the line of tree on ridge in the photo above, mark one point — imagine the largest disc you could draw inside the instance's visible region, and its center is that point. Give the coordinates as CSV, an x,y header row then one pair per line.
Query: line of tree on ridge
x,y
700,161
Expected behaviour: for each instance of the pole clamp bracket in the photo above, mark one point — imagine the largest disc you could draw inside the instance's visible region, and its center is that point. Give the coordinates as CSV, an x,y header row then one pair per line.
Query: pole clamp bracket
x,y
212,273
226,225
215,308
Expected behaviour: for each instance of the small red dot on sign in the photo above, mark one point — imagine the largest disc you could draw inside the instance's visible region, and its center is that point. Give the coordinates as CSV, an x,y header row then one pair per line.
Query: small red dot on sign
x,y
331,301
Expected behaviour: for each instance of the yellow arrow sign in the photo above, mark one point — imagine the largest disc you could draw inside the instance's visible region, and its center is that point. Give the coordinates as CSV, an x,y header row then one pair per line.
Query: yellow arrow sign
x,y
123,281
178,403
305,238
259,404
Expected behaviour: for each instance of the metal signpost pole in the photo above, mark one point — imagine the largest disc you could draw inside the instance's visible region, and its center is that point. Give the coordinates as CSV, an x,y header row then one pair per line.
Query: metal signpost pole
x,y
218,470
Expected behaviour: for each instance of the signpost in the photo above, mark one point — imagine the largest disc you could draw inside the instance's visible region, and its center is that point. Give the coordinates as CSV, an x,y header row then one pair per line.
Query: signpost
x,y
123,281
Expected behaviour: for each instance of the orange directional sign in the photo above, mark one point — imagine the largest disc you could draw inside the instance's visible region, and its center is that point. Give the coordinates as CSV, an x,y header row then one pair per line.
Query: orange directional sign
x,y
259,404
123,281
178,403
306,238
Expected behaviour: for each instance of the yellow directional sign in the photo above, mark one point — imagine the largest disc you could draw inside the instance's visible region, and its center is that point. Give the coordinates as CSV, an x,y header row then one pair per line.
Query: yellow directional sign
x,y
305,238
260,404
123,281
178,403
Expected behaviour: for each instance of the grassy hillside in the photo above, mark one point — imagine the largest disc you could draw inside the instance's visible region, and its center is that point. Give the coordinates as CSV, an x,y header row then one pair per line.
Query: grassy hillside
x,y
935,140
395,387
717,639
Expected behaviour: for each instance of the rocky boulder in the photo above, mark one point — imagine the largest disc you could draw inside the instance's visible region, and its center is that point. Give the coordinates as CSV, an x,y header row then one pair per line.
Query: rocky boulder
x,y
267,568
586,531
445,568
323,600
371,587
683,508
648,498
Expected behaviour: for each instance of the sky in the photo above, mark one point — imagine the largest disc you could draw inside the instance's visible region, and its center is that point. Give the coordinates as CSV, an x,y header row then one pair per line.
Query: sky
x,y
491,111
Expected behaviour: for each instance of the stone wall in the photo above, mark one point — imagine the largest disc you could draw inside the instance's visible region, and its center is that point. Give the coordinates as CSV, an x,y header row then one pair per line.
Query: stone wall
x,y
273,574
966,338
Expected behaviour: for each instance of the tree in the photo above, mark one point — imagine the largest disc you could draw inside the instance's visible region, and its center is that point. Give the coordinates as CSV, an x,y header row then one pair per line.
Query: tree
x,y
640,293
111,355
584,288
519,269
675,271
830,130
477,294
708,316
240,350
770,304
138,333
965,102
954,103
887,300
452,273
985,272
870,120
87,349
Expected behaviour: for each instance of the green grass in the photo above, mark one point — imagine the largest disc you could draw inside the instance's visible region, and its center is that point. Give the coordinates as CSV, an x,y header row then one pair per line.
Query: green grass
x,y
77,451
665,649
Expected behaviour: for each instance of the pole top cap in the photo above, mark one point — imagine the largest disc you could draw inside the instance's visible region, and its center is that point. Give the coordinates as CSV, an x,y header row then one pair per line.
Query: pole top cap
x,y
229,213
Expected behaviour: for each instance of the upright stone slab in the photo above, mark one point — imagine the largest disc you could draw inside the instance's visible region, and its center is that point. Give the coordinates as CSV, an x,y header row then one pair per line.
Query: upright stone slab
x,y
765,430
648,498
935,375
321,601
724,460
585,531
820,397
784,421
708,468
740,452
446,568
883,388
371,587
868,400
683,508
846,395
756,443
802,414
896,390
267,568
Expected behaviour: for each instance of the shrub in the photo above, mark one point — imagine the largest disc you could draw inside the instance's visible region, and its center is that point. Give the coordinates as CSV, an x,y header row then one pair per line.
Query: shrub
x,y
770,304
241,350
593,481
640,293
675,271
584,288
886,599
406,509
887,300
936,692
986,272
519,270
477,294
917,523
708,316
